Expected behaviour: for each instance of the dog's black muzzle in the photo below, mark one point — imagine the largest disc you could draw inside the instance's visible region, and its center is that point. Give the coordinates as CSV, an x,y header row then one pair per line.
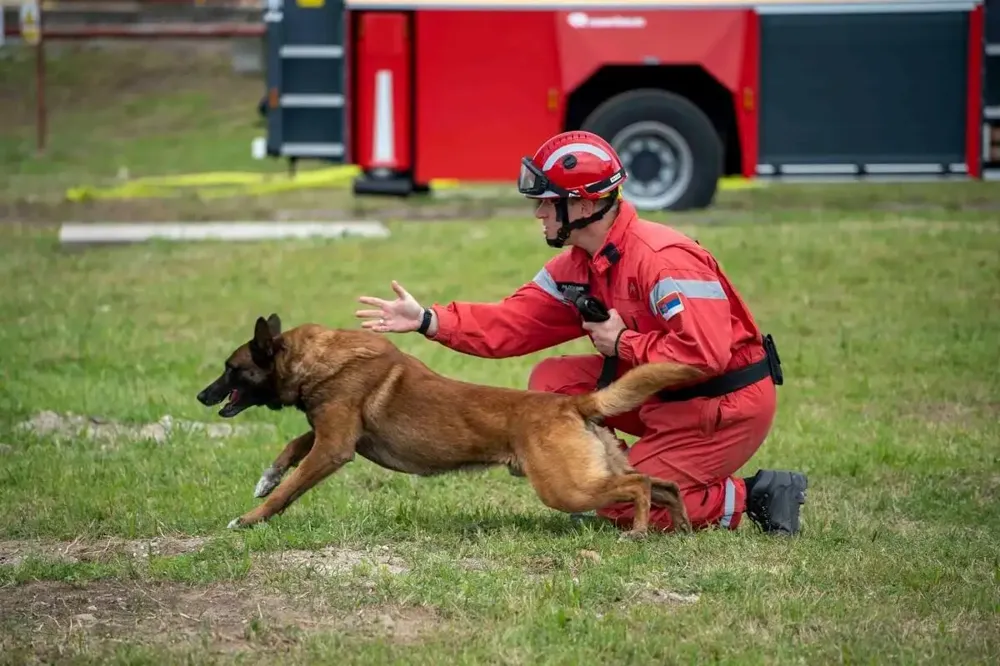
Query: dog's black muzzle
x,y
215,392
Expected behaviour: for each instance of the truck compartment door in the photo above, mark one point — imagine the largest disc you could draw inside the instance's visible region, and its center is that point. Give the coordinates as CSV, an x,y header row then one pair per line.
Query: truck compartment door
x,y
871,94
305,79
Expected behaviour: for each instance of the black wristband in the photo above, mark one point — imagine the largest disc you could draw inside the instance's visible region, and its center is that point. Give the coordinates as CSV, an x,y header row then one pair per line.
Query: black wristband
x,y
425,323
617,339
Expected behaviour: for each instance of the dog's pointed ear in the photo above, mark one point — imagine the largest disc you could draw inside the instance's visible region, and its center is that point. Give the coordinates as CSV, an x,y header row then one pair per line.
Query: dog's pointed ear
x,y
263,340
274,324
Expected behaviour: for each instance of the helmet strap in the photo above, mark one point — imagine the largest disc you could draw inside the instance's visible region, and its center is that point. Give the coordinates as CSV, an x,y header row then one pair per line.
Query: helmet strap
x,y
566,227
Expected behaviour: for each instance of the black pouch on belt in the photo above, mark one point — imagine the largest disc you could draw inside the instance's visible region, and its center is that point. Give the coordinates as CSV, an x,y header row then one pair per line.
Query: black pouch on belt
x,y
773,360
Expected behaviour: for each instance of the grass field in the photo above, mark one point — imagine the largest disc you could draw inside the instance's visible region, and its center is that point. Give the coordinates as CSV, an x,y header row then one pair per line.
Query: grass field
x,y
113,547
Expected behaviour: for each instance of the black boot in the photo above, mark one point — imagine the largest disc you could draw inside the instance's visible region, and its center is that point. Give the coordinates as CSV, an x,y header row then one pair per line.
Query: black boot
x,y
774,498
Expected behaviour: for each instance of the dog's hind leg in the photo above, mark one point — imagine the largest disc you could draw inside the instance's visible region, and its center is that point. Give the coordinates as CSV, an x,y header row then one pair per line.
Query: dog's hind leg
x,y
664,493
337,433
633,487
667,494
290,457
616,458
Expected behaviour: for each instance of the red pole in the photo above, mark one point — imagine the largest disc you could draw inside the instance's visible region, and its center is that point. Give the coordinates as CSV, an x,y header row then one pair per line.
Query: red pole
x,y
40,85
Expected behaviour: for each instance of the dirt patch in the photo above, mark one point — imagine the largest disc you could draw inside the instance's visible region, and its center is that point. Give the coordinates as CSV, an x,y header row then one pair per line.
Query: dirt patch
x,y
75,426
329,561
403,625
332,560
12,553
656,596
951,414
937,414
223,617
943,413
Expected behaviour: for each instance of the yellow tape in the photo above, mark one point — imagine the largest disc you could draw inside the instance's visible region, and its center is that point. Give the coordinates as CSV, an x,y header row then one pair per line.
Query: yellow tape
x,y
739,183
218,184
221,184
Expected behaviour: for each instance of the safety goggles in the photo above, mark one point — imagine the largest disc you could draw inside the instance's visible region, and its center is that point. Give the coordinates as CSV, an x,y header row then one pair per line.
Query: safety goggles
x,y
533,183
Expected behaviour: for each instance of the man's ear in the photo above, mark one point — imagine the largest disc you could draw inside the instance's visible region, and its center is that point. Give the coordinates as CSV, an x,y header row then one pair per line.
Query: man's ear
x,y
274,325
263,341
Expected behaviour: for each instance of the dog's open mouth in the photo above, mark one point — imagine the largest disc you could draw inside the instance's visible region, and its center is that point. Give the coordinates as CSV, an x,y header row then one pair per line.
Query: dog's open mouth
x,y
233,406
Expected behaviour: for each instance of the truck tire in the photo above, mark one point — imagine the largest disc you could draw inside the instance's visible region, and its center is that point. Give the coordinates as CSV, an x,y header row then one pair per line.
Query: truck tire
x,y
670,149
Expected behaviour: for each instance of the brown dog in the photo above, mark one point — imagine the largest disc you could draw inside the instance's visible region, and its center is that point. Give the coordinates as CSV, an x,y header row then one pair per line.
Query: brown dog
x,y
361,394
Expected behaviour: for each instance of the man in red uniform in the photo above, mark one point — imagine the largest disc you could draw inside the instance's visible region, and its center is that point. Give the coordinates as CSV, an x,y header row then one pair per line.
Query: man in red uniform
x,y
668,300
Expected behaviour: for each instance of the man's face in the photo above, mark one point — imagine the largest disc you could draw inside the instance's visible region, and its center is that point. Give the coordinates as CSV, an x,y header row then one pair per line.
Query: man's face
x,y
545,211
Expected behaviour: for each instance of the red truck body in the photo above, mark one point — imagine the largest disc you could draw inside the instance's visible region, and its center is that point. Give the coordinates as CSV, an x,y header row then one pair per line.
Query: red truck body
x,y
686,91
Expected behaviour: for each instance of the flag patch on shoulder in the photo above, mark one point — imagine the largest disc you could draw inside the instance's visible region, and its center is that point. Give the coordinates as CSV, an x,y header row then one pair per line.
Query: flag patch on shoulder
x,y
670,305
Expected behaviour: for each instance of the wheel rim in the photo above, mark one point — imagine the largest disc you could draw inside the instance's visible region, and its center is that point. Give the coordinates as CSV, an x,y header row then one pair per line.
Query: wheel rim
x,y
658,161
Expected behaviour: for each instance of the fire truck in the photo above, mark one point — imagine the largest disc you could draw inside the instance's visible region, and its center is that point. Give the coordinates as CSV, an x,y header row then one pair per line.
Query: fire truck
x,y
687,91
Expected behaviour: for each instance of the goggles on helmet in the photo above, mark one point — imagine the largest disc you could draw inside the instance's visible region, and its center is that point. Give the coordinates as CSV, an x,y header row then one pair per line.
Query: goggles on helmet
x,y
533,183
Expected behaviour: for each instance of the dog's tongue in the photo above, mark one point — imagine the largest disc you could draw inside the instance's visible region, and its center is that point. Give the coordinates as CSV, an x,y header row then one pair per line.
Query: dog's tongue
x,y
234,395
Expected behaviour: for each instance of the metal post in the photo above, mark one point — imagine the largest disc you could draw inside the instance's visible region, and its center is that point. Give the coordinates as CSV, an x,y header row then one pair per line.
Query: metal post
x,y
40,86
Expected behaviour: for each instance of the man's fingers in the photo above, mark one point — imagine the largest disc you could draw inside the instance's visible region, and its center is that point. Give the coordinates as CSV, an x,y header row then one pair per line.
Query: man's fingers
x,y
371,300
398,288
369,313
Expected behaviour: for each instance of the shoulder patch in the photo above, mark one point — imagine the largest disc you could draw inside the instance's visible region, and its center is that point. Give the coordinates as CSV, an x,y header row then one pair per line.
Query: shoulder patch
x,y
667,297
670,305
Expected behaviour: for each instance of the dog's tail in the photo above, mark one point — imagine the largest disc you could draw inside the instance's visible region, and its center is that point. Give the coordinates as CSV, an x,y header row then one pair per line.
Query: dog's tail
x,y
633,388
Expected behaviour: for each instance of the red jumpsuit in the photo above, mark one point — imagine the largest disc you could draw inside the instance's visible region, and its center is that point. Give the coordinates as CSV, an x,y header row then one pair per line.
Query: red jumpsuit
x,y
678,306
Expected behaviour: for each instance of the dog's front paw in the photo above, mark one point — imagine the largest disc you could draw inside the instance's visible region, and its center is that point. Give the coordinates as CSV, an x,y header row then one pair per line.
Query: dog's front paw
x,y
269,480
234,524
633,535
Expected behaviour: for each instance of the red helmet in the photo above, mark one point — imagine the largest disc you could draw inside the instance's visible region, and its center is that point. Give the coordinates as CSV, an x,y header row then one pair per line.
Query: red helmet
x,y
571,164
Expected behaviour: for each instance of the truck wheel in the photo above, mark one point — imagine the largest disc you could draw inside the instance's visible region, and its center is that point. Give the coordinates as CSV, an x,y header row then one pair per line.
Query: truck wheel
x,y
669,147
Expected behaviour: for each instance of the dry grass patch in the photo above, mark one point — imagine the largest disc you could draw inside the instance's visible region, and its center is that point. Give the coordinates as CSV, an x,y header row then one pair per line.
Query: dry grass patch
x,y
76,426
13,553
222,617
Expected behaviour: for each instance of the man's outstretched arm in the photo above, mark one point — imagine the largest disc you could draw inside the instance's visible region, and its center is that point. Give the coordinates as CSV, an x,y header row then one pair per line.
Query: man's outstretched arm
x,y
534,317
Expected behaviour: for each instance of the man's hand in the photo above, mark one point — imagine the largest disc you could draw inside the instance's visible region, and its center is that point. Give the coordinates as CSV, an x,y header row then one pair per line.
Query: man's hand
x,y
605,333
399,316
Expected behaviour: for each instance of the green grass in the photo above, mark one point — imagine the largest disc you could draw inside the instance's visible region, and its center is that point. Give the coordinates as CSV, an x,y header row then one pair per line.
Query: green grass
x,y
887,329
130,109
882,299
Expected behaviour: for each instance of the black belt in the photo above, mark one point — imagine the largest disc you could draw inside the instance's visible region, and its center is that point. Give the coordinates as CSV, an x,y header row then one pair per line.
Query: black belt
x,y
769,366
593,310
